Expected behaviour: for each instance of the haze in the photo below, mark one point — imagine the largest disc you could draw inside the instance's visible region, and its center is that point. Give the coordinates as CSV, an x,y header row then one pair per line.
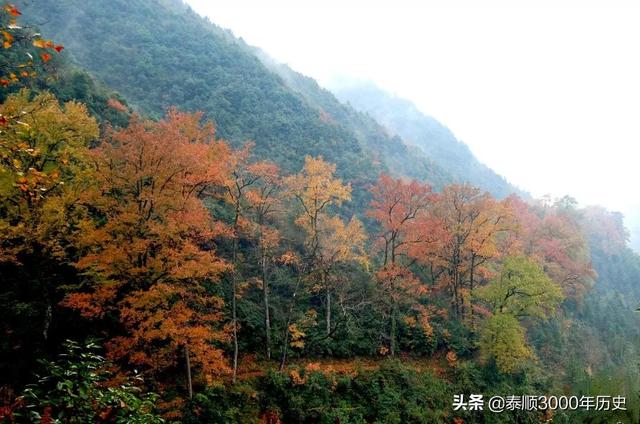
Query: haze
x,y
549,97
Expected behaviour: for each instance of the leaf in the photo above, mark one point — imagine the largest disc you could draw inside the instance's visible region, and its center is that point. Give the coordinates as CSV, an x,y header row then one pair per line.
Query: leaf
x,y
12,10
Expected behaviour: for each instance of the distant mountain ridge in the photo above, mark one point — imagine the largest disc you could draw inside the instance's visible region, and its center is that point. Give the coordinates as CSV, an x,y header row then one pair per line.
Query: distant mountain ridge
x,y
438,142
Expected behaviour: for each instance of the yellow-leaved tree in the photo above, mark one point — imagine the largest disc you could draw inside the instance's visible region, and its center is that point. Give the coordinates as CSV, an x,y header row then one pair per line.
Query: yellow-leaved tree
x,y
147,245
521,290
328,240
43,166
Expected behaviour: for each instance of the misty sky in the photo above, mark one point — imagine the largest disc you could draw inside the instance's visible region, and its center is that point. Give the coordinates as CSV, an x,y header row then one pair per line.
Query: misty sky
x,y
549,97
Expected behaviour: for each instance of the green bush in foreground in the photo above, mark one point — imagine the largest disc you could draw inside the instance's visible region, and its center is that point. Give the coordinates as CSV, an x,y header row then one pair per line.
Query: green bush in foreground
x,y
73,390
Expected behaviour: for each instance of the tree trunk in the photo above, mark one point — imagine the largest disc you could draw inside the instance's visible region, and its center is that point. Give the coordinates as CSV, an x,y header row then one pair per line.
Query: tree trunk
x,y
392,335
234,318
265,299
48,315
48,304
328,302
473,265
454,284
285,343
189,386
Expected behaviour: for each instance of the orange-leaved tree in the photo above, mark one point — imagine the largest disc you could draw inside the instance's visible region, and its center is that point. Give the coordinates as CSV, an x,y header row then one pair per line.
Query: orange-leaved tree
x,y
147,245
407,229
265,201
474,223
606,230
316,189
551,235
239,188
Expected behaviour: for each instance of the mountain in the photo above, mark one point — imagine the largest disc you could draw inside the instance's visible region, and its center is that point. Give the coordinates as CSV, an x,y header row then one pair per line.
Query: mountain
x,y
437,141
398,156
173,57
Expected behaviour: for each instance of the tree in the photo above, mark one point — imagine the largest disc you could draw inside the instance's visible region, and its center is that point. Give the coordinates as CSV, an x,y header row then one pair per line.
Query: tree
x,y
400,293
43,152
502,339
522,289
43,147
147,245
605,229
473,221
265,201
563,250
299,269
339,243
244,175
552,236
316,190
43,157
402,210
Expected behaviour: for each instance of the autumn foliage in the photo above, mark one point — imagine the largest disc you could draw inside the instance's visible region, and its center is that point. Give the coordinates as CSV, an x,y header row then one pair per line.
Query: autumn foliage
x,y
27,53
176,238
152,254
147,242
42,148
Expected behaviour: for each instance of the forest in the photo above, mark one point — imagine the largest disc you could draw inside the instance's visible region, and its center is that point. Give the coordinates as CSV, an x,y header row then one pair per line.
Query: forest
x,y
268,261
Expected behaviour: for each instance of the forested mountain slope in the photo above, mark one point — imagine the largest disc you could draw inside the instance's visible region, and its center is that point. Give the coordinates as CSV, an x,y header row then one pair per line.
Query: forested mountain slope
x,y
400,157
436,140
160,54
173,57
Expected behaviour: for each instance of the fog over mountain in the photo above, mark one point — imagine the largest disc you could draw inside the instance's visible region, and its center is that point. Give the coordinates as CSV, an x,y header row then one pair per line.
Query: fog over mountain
x,y
555,83
433,138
